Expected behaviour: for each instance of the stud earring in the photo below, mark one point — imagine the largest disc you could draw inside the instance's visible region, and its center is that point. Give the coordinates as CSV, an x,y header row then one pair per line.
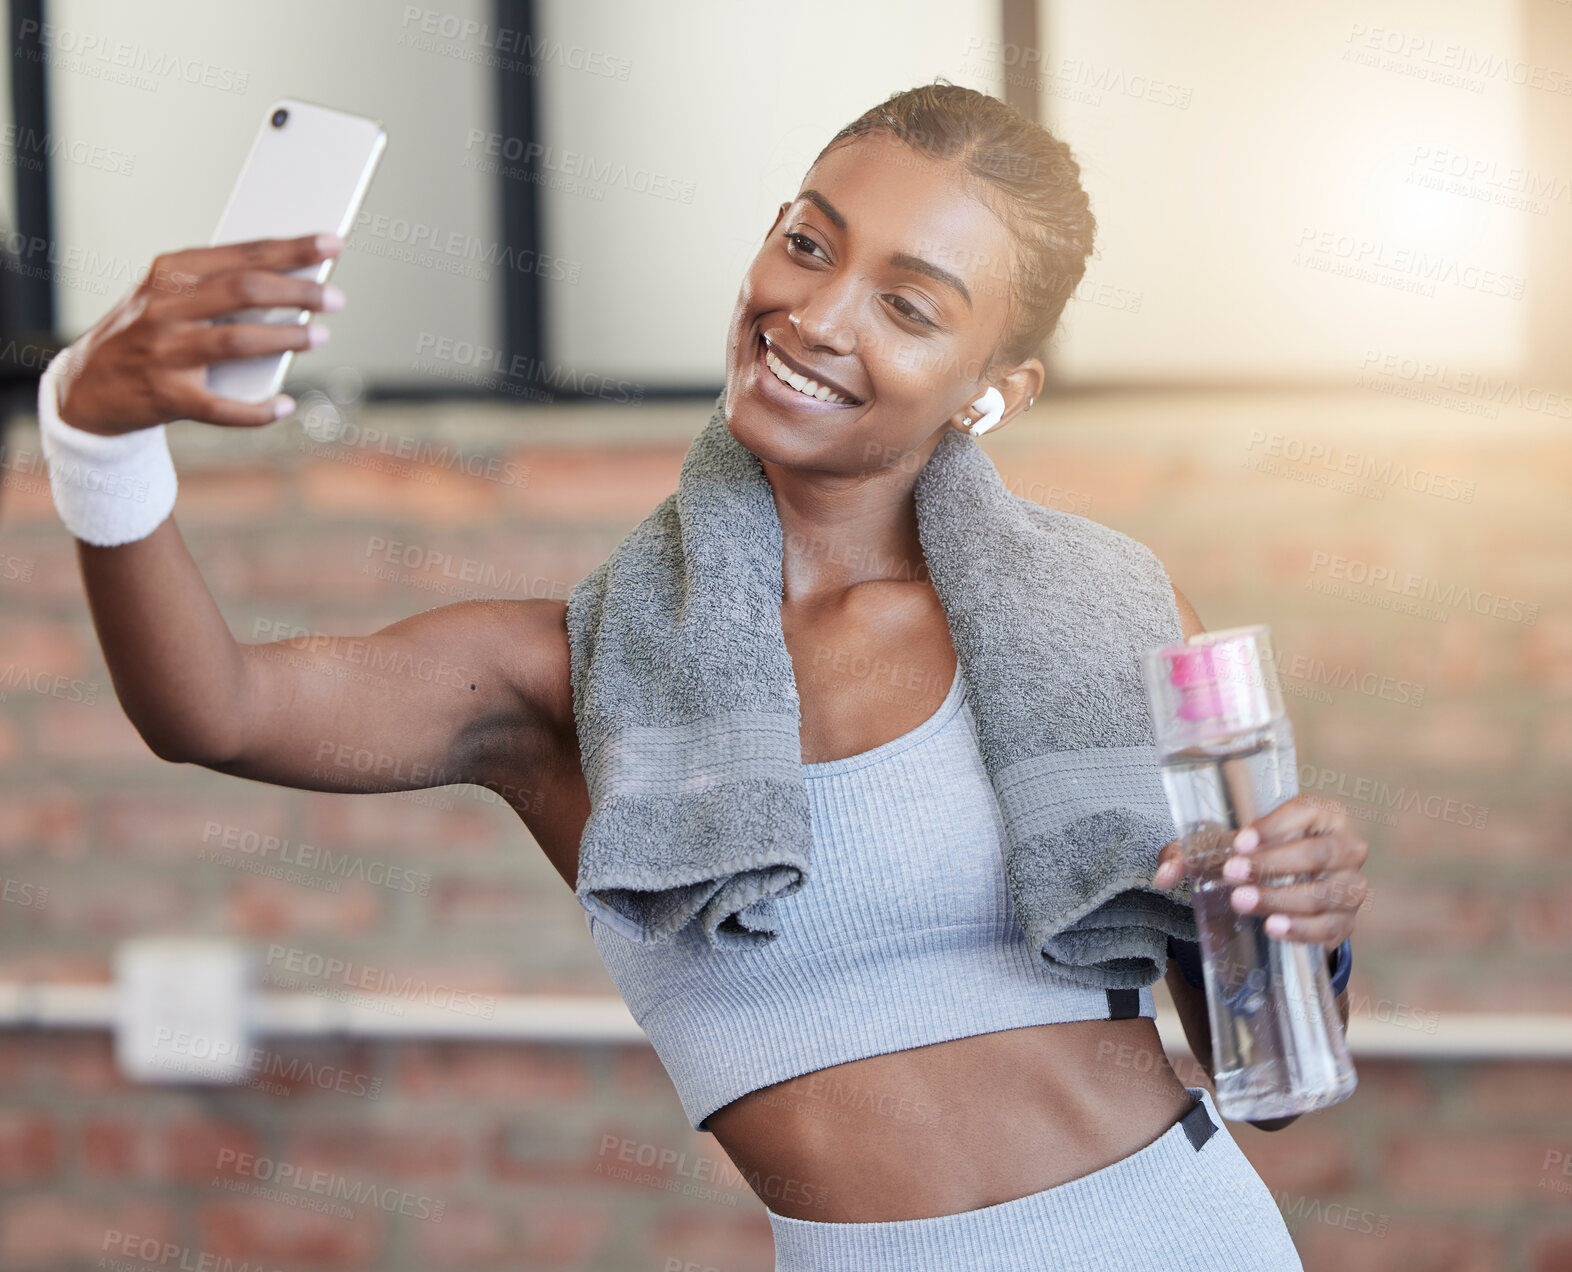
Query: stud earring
x,y
991,404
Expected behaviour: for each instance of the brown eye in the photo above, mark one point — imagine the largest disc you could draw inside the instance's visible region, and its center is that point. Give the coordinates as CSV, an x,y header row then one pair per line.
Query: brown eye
x,y
802,243
908,310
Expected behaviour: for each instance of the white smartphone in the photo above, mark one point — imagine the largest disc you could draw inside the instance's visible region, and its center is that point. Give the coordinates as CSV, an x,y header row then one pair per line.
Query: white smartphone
x,y
308,170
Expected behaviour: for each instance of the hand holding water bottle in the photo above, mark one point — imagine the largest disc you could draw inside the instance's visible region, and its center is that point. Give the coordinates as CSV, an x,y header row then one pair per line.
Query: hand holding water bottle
x,y
1275,874
1299,864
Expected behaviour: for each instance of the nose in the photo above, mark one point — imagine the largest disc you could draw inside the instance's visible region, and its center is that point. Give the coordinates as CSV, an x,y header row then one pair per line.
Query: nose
x,y
823,321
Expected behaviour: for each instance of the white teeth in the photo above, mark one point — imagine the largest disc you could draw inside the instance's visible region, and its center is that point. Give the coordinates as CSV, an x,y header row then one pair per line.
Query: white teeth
x,y
803,385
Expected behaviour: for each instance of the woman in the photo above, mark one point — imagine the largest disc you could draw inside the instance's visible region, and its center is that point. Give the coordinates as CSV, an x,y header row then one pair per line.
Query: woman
x,y
926,258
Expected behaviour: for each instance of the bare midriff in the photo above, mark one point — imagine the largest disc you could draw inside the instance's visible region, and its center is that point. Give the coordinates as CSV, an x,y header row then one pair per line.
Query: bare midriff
x,y
933,1130
956,1125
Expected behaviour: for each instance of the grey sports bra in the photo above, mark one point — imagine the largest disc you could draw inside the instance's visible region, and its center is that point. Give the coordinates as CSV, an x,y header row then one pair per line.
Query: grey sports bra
x,y
904,935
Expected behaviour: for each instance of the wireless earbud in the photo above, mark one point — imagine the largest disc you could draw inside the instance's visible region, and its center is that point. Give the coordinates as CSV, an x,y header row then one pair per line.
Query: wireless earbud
x,y
991,404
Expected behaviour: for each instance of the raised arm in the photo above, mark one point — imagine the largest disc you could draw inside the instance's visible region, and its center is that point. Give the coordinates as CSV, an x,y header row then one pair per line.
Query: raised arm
x,y
453,694
424,702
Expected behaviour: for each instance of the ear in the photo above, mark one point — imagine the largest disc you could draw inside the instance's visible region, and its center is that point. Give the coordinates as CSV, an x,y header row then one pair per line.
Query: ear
x,y
1019,387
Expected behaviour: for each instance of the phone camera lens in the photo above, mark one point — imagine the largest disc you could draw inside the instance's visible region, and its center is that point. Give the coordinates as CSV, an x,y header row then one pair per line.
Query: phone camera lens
x,y
279,116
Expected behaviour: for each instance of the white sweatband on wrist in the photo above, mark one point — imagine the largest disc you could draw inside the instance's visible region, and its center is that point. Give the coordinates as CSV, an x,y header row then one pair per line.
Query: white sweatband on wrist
x,y
108,490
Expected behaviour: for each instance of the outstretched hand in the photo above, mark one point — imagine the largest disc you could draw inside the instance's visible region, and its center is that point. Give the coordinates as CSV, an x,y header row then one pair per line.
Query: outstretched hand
x,y
145,361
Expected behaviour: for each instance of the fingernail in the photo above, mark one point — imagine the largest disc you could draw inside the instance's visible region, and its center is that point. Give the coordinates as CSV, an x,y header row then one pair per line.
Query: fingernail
x,y
332,298
329,243
1246,897
283,404
316,335
1237,868
1277,925
1247,839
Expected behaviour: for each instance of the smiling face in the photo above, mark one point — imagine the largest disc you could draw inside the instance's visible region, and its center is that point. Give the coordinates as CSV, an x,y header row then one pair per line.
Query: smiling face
x,y
881,293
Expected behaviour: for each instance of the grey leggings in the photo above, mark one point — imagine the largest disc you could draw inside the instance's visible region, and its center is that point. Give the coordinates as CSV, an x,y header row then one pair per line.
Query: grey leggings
x,y
1188,1202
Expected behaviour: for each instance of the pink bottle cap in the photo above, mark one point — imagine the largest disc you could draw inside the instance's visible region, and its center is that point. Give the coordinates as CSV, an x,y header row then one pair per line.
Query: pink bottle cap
x,y
1194,674
1213,685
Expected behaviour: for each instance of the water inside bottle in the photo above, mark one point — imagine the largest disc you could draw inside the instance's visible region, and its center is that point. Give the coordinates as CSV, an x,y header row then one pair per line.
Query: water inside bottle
x,y
1277,1042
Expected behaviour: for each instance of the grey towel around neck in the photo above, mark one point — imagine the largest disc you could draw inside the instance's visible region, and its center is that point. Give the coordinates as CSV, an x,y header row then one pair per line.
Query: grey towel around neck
x,y
689,721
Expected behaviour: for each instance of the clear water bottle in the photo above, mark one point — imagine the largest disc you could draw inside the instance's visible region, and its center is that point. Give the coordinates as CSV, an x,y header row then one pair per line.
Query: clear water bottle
x,y
1227,753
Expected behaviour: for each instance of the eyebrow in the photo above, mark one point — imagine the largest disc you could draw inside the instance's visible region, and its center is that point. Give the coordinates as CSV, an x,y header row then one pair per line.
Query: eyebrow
x,y
824,206
902,260
919,266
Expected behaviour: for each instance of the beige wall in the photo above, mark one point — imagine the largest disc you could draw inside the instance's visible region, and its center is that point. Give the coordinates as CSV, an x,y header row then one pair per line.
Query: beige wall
x,y
1547,26
188,140
728,103
1262,211
1213,138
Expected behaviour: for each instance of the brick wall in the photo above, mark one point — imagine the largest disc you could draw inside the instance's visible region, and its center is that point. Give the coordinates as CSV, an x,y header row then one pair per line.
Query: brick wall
x,y
1449,734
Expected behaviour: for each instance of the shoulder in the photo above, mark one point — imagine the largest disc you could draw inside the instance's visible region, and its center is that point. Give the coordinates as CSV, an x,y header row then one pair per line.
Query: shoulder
x,y
543,624
528,640
1189,620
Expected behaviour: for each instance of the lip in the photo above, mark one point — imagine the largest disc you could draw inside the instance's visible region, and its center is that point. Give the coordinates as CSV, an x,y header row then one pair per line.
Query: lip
x,y
765,343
